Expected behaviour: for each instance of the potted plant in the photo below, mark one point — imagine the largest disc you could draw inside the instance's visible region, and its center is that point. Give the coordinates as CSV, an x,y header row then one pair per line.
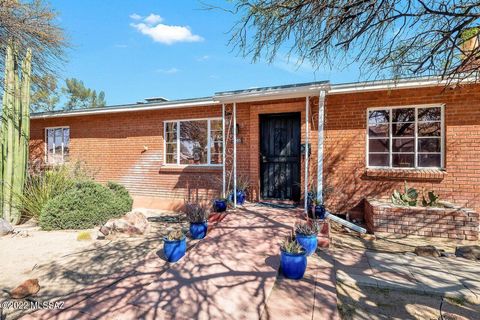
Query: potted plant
x,y
197,215
243,183
306,236
174,245
317,207
220,204
293,259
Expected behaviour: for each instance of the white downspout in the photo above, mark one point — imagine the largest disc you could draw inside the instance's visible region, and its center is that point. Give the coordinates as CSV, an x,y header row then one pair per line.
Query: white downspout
x,y
234,154
307,107
321,117
223,151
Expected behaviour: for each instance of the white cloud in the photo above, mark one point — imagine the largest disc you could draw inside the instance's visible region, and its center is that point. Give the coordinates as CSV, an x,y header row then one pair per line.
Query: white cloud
x,y
163,33
135,16
168,71
203,58
153,19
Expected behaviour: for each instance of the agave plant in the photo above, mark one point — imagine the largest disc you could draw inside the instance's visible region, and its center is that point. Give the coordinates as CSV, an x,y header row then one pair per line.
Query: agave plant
x,y
175,235
407,198
196,213
307,228
290,245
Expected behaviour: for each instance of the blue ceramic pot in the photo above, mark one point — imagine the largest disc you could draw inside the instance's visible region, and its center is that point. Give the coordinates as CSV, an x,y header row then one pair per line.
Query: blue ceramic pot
x,y
308,242
220,205
240,197
198,230
293,264
174,250
320,212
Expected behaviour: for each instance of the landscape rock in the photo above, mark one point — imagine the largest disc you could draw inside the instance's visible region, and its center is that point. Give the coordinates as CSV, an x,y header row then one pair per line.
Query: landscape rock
x,y
427,251
26,289
133,223
468,252
5,227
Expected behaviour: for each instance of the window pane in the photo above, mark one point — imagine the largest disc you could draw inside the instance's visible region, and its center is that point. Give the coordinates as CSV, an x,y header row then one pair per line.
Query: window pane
x,y
171,147
58,140
50,139
378,116
379,130
193,142
429,114
429,129
403,129
429,160
216,125
379,160
403,160
216,147
403,115
403,145
171,158
379,145
171,132
216,158
429,145
66,144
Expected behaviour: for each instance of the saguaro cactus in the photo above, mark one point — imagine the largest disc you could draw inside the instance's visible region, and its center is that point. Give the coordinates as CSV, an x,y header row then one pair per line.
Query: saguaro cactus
x,y
15,131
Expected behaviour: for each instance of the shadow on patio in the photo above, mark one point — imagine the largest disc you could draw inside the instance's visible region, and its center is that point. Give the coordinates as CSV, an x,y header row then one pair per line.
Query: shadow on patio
x,y
228,275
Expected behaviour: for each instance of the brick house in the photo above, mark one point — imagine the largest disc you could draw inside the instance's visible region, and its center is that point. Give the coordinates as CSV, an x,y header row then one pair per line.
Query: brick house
x,y
363,140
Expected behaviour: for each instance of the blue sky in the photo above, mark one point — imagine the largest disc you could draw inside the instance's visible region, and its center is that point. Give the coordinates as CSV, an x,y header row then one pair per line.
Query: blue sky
x,y
145,48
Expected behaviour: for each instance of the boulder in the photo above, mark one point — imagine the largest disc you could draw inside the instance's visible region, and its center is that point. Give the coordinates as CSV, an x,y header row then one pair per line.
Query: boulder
x,y
427,251
133,223
5,227
27,288
468,252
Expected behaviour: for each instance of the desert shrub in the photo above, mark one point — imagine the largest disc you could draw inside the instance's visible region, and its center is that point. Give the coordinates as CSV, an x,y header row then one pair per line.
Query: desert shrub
x,y
43,185
121,193
85,205
196,213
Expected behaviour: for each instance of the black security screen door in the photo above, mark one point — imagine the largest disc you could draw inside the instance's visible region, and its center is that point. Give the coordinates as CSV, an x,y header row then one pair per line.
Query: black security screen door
x,y
280,156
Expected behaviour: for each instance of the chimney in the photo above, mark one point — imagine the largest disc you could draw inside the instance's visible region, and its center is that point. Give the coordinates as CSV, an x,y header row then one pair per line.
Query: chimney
x,y
470,44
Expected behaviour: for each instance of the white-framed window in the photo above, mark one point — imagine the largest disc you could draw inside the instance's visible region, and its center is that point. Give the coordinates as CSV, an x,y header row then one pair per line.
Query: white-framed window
x,y
57,145
193,142
407,137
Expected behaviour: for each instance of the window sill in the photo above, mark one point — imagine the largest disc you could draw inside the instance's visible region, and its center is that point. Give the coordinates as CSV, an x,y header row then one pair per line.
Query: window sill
x,y
190,169
402,174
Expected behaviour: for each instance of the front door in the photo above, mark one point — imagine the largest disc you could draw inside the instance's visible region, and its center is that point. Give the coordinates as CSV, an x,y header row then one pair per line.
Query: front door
x,y
280,156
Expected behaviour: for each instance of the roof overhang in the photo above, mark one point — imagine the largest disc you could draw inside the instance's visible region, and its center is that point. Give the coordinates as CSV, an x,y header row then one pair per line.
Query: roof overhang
x,y
345,88
273,93
128,108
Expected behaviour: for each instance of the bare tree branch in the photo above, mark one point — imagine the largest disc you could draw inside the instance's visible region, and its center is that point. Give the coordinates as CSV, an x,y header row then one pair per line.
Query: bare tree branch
x,y
397,38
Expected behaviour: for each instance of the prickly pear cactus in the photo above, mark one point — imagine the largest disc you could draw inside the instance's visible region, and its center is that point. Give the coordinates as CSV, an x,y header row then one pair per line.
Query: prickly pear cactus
x,y
408,198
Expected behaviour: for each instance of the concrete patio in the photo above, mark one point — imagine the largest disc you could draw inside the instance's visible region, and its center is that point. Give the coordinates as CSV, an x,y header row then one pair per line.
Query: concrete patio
x,y
446,277
231,274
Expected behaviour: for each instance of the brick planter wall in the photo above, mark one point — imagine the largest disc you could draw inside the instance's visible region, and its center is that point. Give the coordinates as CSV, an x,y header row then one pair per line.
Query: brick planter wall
x,y
454,223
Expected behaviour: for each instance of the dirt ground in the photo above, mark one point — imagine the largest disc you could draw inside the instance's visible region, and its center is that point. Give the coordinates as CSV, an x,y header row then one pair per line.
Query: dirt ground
x,y
63,265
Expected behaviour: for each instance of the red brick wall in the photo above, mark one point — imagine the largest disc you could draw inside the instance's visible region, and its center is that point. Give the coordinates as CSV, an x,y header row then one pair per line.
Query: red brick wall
x,y
345,134
113,144
113,147
453,223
